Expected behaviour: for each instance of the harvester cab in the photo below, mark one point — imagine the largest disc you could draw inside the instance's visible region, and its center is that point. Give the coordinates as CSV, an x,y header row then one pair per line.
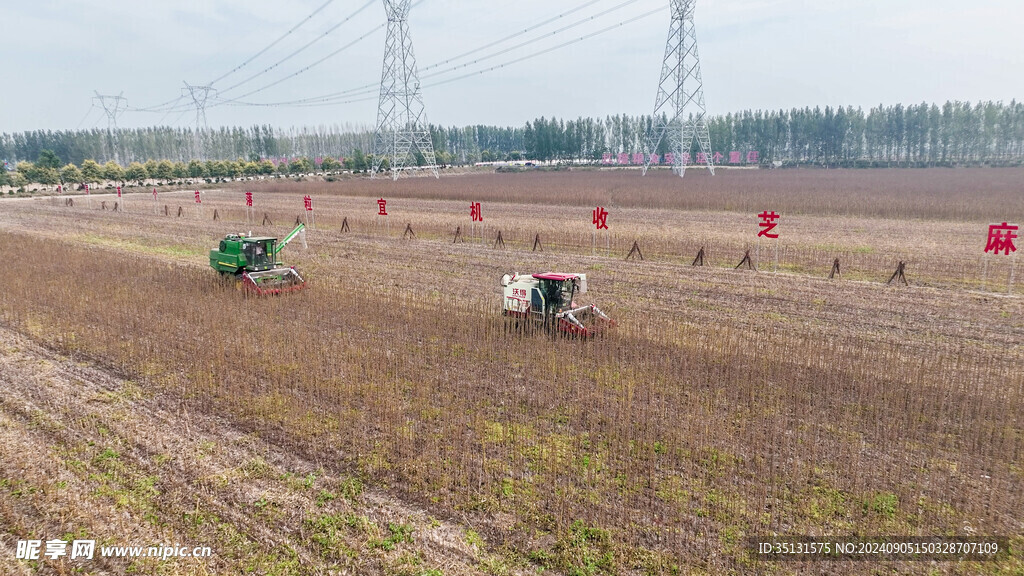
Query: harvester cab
x,y
550,299
254,261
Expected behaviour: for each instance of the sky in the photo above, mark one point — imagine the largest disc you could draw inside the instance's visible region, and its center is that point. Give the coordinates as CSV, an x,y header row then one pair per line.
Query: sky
x,y
755,54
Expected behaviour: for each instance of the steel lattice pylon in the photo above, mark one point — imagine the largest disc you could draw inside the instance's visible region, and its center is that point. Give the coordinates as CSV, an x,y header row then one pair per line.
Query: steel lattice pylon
x,y
402,128
199,96
113,106
679,112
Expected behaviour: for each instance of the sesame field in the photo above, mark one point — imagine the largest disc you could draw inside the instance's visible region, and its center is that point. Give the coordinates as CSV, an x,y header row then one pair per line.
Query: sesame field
x,y
388,420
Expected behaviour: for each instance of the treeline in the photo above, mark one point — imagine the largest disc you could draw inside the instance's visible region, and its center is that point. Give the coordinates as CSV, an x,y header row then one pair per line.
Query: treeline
x,y
955,133
49,171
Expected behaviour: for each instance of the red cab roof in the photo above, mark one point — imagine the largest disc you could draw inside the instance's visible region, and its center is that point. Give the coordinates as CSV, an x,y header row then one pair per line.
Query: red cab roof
x,y
554,276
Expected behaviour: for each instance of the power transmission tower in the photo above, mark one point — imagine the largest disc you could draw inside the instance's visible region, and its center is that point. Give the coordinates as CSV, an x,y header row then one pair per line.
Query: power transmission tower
x,y
199,95
112,106
679,112
402,129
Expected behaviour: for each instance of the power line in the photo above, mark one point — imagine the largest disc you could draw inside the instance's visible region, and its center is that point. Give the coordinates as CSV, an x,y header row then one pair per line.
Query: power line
x,y
171,103
272,44
531,41
301,70
373,87
511,36
89,111
547,50
300,50
330,101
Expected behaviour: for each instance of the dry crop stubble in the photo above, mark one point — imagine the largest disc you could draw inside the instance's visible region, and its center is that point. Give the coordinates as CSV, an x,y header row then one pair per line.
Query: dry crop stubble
x,y
753,415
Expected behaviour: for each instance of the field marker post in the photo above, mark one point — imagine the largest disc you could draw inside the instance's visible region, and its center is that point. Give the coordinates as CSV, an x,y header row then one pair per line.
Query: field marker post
x,y
776,271
984,273
1013,264
408,231
344,225
310,218
499,241
458,235
537,244
250,212
835,270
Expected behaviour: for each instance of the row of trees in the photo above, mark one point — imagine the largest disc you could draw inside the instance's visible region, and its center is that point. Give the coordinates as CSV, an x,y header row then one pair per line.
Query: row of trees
x,y
924,134
954,133
48,169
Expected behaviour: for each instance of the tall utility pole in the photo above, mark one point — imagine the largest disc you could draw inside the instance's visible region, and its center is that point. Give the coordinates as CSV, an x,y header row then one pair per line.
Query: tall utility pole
x,y
402,129
679,112
199,95
112,106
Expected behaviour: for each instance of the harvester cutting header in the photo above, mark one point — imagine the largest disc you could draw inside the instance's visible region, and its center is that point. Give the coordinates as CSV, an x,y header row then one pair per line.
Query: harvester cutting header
x,y
253,260
550,298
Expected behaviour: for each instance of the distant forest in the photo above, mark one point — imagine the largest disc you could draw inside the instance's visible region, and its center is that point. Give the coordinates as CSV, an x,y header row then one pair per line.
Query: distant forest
x,y
956,133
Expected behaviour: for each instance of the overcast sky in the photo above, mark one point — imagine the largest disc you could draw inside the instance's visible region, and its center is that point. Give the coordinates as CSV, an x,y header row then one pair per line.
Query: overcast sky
x,y
756,54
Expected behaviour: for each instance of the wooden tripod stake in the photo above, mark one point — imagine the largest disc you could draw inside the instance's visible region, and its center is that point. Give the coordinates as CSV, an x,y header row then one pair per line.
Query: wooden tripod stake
x,y
746,260
898,275
699,260
635,250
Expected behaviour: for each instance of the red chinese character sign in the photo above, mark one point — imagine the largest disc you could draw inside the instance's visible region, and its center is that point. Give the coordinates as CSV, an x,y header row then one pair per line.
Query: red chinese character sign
x,y
199,200
767,224
599,217
1000,243
382,210
250,214
476,215
1001,237
307,203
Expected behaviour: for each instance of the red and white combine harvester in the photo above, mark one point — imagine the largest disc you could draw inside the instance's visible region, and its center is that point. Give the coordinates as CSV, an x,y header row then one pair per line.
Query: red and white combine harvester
x,y
549,299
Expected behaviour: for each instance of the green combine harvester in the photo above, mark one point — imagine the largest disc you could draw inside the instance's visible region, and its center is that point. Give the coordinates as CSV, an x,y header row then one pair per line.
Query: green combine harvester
x,y
253,260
